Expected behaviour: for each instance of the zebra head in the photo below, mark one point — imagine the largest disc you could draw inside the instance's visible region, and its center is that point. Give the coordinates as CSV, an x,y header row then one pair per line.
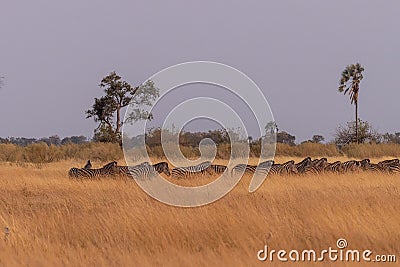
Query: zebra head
x,y
364,164
162,167
88,165
289,167
110,168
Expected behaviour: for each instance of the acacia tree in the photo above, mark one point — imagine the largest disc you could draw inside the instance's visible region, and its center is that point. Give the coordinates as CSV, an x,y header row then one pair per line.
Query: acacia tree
x,y
350,83
119,94
366,133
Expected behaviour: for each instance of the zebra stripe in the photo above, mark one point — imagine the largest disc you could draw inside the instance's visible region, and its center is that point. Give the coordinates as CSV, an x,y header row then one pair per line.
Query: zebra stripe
x,y
350,166
185,172
364,164
335,167
288,168
218,169
390,166
301,166
316,167
108,169
145,170
142,171
124,170
263,168
243,168
376,167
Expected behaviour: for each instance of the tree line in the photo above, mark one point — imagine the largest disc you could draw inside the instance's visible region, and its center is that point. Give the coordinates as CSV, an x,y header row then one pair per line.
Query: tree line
x,y
52,140
118,94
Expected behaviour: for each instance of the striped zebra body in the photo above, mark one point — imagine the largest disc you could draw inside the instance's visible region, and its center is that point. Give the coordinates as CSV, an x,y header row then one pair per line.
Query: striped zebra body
x,y
391,166
265,167
243,168
335,167
275,169
376,168
364,164
288,168
108,169
124,170
301,166
217,169
145,170
350,166
189,171
316,167
262,168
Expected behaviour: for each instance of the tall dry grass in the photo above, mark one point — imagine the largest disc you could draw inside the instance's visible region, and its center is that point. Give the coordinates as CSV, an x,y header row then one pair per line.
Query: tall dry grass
x,y
56,221
41,153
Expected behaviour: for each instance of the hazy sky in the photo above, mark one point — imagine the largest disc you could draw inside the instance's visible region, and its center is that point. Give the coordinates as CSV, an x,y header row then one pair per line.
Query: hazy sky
x,y
53,55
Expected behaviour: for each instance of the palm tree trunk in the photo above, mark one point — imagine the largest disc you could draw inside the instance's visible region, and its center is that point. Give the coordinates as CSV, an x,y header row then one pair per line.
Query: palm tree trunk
x,y
356,121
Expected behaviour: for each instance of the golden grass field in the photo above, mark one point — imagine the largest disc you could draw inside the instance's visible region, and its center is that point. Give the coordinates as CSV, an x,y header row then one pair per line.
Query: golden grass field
x,y
56,221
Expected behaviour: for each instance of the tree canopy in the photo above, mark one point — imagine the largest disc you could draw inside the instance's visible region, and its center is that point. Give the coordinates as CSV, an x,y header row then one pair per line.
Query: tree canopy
x,y
107,109
350,84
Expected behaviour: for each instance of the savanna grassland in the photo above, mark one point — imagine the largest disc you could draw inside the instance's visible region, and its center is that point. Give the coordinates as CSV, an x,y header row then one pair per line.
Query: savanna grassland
x,y
57,221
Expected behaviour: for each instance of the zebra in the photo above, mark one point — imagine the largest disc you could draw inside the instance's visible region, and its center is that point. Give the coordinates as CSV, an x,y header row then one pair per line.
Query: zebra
x,y
185,172
108,169
335,167
263,167
124,170
364,164
217,169
350,166
88,165
376,167
243,168
390,166
144,171
301,166
287,168
390,161
316,167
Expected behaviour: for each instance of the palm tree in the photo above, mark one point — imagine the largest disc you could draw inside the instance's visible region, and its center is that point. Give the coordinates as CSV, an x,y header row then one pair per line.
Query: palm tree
x,y
350,83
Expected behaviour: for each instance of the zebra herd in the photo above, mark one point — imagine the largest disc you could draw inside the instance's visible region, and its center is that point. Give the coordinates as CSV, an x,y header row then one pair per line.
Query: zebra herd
x,y
319,166
306,166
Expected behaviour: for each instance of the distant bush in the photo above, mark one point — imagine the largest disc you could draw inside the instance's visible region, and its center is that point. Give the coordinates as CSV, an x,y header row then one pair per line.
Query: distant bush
x,y
307,149
43,153
371,150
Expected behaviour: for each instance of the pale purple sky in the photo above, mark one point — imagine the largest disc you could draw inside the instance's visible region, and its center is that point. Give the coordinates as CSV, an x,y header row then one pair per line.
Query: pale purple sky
x,y
53,55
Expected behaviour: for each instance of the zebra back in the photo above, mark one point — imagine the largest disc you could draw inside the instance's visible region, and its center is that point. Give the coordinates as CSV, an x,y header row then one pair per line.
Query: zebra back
x,y
303,164
124,170
108,169
243,168
217,169
350,166
391,166
288,168
185,172
335,167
